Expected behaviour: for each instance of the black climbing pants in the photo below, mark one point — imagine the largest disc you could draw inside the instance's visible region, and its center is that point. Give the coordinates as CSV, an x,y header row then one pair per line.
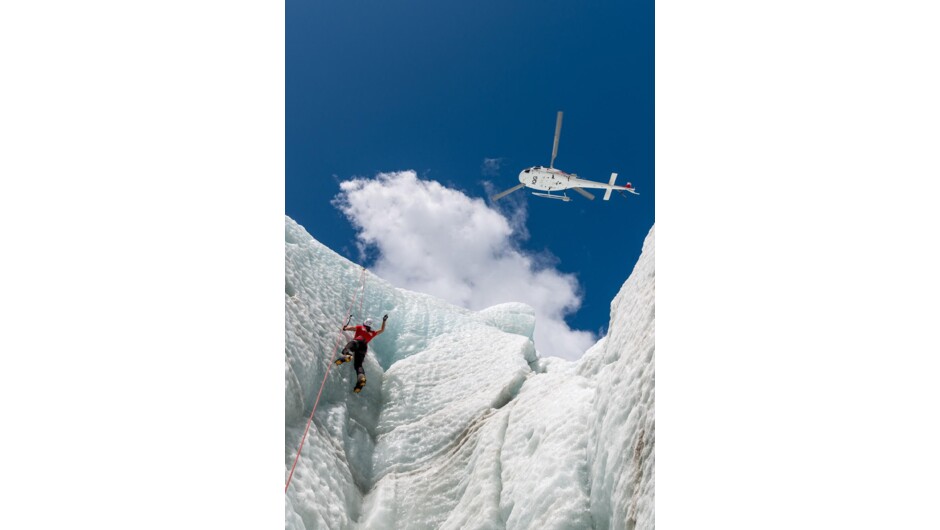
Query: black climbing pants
x,y
358,349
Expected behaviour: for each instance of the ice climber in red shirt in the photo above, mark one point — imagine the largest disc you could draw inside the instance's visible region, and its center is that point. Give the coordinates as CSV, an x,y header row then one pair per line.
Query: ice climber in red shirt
x,y
358,347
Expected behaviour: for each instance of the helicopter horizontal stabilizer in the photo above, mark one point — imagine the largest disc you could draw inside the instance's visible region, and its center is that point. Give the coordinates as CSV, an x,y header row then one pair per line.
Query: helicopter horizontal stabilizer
x,y
613,178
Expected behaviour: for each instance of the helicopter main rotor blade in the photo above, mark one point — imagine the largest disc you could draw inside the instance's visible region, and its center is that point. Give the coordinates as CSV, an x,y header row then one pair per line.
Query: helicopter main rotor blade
x,y
499,196
582,192
557,134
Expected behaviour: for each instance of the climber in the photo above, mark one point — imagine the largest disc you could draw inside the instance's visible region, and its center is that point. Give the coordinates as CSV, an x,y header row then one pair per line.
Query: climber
x,y
359,346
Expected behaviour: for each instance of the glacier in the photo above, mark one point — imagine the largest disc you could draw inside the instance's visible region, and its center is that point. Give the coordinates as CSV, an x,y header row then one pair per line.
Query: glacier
x,y
462,425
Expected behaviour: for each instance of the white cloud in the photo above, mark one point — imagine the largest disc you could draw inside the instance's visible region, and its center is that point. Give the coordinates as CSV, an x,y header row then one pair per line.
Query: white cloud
x,y
490,166
437,240
512,206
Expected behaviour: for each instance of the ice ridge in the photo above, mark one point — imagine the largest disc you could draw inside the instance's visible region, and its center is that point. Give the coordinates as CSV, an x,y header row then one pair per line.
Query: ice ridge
x,y
462,425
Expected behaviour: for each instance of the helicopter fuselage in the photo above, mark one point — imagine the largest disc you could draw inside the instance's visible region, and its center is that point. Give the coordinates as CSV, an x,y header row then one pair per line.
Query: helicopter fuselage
x,y
553,179
547,179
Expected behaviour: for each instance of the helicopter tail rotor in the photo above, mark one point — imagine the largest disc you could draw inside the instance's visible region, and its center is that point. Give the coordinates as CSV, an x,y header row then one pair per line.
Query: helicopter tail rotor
x,y
629,189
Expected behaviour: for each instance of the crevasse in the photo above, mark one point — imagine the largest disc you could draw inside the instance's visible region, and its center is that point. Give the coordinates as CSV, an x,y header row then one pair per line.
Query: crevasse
x,y
461,424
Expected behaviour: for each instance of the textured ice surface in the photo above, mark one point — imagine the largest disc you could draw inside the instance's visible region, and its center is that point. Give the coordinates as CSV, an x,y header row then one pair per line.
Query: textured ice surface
x,y
622,427
544,459
461,424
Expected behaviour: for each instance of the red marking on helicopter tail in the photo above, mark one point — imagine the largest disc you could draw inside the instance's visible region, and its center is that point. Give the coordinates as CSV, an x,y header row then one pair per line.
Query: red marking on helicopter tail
x,y
629,185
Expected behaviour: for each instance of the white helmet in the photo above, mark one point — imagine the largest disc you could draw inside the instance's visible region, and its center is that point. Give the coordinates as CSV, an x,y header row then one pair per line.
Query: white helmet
x,y
367,322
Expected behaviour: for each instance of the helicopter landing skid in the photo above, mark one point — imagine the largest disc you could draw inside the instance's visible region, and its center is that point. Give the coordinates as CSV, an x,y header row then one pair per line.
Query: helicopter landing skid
x,y
564,198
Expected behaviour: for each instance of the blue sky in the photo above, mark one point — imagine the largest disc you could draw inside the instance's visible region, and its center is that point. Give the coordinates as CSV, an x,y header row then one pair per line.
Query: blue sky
x,y
438,89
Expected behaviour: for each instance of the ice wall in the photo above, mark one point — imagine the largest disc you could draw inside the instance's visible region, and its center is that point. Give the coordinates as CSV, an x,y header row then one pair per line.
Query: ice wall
x,y
622,426
461,425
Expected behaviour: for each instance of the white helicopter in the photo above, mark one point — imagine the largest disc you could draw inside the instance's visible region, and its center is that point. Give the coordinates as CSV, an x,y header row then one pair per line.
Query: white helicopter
x,y
550,179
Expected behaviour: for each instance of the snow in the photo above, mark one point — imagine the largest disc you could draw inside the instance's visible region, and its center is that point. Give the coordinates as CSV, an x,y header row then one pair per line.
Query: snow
x,y
461,424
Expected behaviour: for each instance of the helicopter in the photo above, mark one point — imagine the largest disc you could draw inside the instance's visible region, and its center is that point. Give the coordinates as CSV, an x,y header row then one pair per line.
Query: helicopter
x,y
550,179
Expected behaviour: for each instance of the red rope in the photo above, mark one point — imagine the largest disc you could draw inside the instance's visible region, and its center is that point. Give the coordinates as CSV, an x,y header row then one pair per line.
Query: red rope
x,y
362,287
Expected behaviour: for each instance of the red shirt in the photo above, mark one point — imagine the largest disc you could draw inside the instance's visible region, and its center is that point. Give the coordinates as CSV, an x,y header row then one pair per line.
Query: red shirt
x,y
364,335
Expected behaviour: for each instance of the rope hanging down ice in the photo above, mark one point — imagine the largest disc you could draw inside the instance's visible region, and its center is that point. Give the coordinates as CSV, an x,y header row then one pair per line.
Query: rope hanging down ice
x,y
339,338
